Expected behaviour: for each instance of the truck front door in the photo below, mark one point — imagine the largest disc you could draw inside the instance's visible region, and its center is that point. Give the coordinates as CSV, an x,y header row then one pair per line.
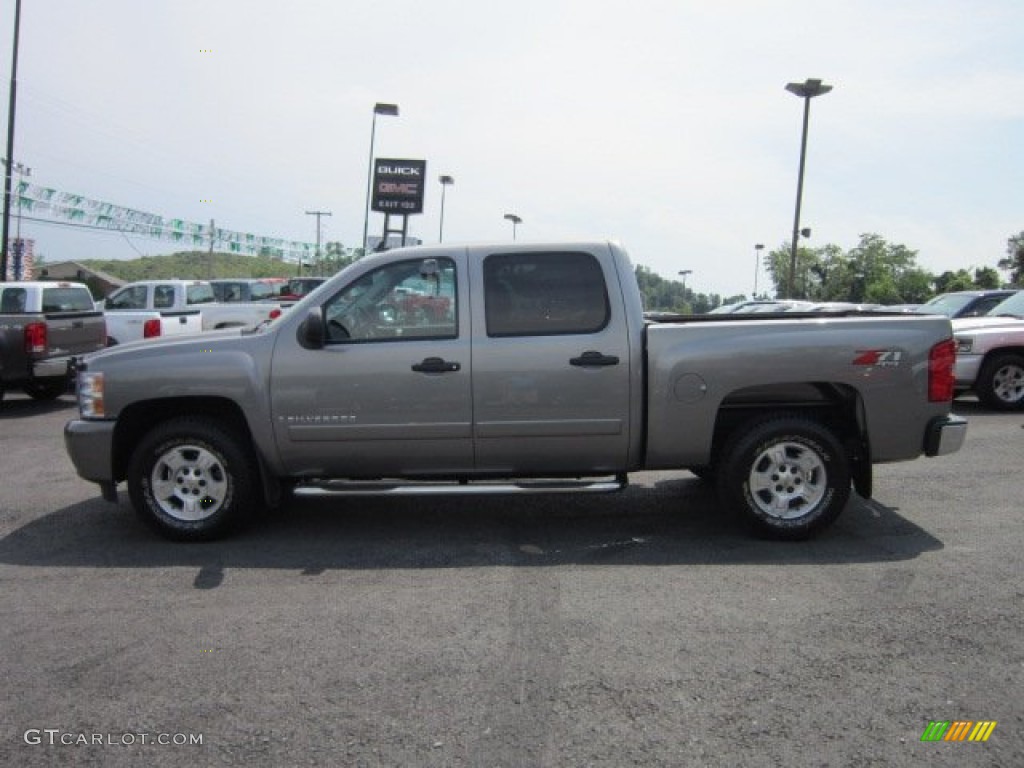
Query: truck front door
x,y
389,392
551,378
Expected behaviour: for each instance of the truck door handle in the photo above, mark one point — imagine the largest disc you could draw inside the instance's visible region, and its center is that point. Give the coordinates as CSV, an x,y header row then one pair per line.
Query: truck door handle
x,y
182,320
436,365
592,359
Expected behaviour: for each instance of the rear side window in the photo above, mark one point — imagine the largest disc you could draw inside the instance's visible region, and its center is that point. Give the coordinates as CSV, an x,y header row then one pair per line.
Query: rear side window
x,y
133,297
163,297
541,294
12,300
199,294
67,300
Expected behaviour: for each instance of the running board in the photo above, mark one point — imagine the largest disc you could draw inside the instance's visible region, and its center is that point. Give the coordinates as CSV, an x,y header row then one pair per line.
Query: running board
x,y
467,488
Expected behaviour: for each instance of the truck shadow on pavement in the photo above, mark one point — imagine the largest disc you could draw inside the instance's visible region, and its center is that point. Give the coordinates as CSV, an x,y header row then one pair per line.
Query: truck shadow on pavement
x,y
15,407
674,522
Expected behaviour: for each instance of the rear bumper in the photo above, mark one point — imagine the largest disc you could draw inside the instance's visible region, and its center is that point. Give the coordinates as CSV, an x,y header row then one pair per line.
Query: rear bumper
x,y
945,434
53,368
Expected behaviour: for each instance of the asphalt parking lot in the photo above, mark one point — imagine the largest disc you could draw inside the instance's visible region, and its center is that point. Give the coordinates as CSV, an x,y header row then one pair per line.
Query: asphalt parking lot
x,y
642,628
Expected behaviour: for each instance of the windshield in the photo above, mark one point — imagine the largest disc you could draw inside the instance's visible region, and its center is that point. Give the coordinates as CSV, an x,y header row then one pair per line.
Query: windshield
x,y
947,304
1012,307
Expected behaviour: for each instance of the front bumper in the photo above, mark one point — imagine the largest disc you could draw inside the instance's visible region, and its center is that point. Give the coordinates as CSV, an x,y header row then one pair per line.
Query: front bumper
x,y
90,444
965,371
945,434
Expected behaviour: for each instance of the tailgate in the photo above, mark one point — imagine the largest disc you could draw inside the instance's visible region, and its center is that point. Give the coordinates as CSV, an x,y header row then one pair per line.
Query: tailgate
x,y
74,333
187,321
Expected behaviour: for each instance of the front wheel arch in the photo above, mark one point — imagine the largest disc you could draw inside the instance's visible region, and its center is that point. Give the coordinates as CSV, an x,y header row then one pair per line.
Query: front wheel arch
x,y
193,479
1000,383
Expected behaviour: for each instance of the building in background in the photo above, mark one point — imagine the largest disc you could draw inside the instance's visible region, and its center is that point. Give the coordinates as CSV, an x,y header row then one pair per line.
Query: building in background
x,y
100,283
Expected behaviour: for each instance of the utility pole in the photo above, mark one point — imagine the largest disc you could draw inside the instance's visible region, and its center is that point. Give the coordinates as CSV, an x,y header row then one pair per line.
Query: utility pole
x,y
10,144
209,261
318,214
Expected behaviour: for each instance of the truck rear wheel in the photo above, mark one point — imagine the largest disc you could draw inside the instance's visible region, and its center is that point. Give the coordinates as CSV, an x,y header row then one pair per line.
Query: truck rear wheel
x,y
192,480
1000,384
47,389
788,475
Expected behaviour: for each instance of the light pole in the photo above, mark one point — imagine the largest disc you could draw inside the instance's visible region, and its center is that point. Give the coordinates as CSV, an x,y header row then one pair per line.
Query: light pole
x,y
806,91
390,110
445,182
316,256
757,264
516,221
683,273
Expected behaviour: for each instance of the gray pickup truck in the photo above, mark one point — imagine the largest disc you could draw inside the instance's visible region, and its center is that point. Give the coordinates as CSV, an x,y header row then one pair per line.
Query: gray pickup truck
x,y
511,368
44,326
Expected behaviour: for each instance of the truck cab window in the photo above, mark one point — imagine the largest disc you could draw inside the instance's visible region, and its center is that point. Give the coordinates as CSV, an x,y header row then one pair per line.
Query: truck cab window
x,y
397,302
539,294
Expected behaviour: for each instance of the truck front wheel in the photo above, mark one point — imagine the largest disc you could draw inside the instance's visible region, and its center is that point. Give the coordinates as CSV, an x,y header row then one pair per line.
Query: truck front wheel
x,y
1000,384
789,476
192,480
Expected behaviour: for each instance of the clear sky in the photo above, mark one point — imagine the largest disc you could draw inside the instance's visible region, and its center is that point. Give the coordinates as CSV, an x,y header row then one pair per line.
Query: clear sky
x,y
662,124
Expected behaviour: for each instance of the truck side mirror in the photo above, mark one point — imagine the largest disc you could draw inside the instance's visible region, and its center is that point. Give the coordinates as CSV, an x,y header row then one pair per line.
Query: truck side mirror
x,y
311,330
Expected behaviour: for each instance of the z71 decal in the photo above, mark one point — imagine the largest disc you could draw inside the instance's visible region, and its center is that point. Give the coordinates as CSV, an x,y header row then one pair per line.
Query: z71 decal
x,y
887,358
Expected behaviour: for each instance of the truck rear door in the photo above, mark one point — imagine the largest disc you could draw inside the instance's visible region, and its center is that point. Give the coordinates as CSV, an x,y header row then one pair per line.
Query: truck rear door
x,y
551,378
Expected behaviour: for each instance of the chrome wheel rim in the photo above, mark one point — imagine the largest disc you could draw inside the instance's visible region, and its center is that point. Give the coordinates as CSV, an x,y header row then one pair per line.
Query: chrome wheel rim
x,y
1008,383
189,483
787,480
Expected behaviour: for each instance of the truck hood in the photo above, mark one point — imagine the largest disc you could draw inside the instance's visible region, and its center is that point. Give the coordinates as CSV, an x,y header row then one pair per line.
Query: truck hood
x,y
161,346
971,323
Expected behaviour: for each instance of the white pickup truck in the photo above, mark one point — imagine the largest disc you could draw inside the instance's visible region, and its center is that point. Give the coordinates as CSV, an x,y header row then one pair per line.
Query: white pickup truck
x,y
183,298
990,355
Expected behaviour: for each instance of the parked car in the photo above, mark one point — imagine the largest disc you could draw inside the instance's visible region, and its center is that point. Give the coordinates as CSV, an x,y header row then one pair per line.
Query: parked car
x,y
990,355
235,289
44,327
964,303
298,287
762,305
170,296
532,371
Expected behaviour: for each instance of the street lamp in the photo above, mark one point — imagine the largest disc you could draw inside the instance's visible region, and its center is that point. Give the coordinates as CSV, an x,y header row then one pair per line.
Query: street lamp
x,y
757,264
683,273
806,91
445,182
390,110
516,221
10,142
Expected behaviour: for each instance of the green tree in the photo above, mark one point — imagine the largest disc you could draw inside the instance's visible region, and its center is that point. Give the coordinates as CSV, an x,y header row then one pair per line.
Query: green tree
x,y
1014,261
960,280
986,278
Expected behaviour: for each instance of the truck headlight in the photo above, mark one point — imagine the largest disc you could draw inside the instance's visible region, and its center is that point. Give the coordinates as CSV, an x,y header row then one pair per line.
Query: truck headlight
x,y
963,346
90,395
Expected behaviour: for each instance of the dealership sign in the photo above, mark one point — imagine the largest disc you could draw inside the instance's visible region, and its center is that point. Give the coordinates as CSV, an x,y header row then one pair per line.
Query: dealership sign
x,y
398,186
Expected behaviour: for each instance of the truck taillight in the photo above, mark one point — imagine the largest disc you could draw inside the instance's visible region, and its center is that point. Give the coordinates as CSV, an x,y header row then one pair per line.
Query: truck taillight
x,y
941,359
35,338
151,328
275,313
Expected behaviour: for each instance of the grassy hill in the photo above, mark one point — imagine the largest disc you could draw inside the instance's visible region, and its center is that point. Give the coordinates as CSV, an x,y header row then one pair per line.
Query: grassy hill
x,y
196,265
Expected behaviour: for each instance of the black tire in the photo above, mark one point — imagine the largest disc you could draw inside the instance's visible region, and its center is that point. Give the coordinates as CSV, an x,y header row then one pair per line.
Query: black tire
x,y
789,476
193,480
1000,384
47,389
706,472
